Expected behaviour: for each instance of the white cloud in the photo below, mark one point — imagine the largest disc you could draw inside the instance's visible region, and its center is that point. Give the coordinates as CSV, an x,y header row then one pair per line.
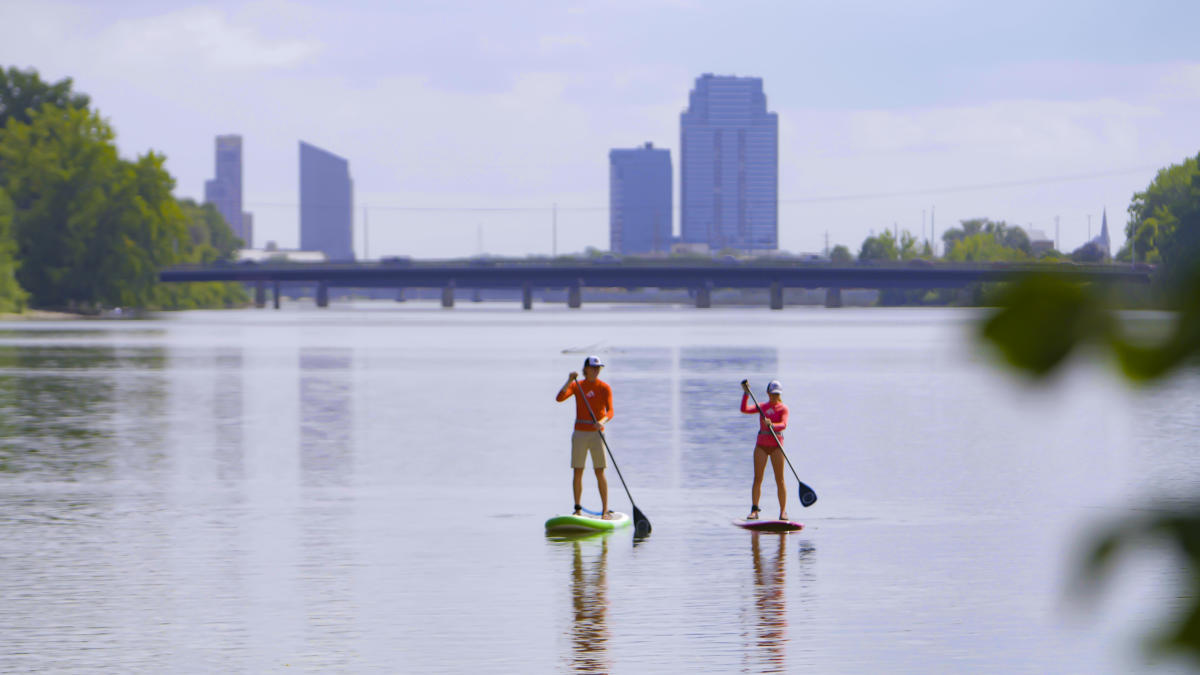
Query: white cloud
x,y
200,35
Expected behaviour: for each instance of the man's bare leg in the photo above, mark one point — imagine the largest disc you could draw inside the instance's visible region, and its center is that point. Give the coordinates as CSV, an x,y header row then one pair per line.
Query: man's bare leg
x,y
602,484
577,485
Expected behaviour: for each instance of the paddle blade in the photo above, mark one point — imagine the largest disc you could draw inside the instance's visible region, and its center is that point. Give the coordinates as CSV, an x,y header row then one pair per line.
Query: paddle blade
x,y
807,496
641,524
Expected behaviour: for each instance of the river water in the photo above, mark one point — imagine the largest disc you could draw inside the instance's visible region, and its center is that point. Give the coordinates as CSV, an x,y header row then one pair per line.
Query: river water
x,y
362,489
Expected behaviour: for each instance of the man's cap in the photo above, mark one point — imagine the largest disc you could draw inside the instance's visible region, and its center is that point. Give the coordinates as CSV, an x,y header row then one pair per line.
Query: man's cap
x,y
773,387
593,361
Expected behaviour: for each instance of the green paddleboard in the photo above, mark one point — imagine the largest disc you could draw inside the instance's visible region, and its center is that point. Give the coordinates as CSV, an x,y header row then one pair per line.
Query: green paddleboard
x,y
586,523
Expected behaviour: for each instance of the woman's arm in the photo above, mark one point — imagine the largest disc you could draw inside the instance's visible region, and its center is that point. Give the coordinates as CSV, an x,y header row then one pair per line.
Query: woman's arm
x,y
746,407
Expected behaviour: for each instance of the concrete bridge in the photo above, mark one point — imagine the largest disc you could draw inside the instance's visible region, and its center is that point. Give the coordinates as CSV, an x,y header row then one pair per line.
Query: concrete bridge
x,y
701,278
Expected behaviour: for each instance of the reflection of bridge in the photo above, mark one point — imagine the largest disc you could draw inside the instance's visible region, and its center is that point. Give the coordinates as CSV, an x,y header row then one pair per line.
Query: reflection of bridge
x,y
702,278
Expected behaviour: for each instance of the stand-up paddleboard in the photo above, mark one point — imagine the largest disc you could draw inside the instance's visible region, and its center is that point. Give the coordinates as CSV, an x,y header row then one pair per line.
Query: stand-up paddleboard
x,y
586,523
770,525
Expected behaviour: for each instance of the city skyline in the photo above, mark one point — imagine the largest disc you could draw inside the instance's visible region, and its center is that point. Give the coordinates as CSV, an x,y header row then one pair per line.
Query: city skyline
x,y
506,110
326,203
640,209
729,166
224,190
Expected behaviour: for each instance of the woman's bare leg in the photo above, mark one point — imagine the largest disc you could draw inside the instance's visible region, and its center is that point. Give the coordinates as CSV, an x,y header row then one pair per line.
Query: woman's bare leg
x,y
760,463
777,461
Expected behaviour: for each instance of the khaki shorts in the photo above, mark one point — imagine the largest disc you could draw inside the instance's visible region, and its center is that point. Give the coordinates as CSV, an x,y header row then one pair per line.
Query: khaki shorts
x,y
581,443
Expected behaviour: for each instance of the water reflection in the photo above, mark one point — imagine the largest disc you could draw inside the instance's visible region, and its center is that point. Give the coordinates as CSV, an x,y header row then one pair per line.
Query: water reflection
x,y
770,634
326,416
228,414
719,442
589,600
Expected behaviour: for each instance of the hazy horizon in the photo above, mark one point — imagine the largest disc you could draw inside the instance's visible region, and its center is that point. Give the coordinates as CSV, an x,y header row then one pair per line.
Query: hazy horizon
x,y
1021,113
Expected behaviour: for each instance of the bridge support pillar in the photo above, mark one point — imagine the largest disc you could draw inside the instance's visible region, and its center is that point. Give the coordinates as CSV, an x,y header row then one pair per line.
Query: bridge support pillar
x,y
448,295
400,294
276,294
776,296
322,294
260,294
704,296
575,296
477,295
833,297
527,297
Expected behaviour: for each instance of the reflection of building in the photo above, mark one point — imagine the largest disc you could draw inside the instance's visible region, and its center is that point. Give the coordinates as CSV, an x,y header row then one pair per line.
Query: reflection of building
x,y
639,200
729,166
326,203
225,190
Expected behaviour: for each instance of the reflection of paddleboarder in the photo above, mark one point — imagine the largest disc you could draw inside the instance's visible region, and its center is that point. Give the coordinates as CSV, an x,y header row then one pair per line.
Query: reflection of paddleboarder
x,y
774,416
769,601
589,598
592,397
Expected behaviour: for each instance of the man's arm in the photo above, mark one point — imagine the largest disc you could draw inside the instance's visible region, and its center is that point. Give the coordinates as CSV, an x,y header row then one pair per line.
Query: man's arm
x,y
567,389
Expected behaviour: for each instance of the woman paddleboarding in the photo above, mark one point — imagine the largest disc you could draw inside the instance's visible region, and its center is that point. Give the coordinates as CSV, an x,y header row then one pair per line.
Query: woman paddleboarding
x,y
774,417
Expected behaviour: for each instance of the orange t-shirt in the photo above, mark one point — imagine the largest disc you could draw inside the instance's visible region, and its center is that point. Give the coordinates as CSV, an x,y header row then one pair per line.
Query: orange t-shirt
x,y
599,397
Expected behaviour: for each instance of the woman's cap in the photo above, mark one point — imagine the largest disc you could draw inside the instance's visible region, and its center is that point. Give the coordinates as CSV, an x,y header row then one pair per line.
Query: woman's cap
x,y
773,387
593,361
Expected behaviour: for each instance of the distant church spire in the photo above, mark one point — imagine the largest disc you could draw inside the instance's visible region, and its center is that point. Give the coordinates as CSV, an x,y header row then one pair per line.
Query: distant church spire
x,y
1103,238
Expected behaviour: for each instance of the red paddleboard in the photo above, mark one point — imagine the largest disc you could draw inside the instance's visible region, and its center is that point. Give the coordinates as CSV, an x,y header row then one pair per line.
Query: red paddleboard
x,y
770,525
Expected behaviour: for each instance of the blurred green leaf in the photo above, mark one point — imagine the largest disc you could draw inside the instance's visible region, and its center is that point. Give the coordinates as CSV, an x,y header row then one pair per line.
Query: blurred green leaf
x,y
1041,319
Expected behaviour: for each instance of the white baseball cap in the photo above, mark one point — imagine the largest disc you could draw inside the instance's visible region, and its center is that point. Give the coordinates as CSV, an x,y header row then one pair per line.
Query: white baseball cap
x,y
593,361
773,387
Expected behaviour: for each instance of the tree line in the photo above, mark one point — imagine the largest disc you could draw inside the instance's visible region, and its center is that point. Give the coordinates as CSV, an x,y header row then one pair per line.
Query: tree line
x,y
83,229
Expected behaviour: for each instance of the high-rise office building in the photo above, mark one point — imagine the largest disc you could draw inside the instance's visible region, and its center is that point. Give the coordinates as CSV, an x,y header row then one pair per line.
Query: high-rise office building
x,y
729,166
225,190
326,203
639,197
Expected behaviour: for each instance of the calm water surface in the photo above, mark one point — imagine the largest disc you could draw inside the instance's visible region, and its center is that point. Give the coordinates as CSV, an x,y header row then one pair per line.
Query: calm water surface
x,y
363,489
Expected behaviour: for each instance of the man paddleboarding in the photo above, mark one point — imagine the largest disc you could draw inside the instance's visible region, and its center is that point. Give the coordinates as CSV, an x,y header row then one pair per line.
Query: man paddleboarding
x,y
593,400
774,416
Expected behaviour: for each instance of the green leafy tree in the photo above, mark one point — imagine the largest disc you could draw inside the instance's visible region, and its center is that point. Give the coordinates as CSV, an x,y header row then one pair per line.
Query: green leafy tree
x,y
12,296
840,254
878,248
1153,231
92,230
22,92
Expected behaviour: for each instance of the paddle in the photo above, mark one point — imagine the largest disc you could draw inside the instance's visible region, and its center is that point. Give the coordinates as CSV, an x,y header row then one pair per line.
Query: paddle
x,y
807,496
641,524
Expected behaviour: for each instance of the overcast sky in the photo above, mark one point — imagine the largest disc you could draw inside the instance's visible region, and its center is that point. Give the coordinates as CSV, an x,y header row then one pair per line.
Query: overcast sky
x,y
1022,110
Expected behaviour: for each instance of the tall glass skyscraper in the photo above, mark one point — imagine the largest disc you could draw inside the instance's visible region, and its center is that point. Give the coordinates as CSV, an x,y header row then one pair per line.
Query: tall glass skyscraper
x,y
729,166
326,203
225,191
639,196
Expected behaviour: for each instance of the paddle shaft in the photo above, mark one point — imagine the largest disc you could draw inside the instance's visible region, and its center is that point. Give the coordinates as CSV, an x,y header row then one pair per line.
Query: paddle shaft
x,y
771,428
637,514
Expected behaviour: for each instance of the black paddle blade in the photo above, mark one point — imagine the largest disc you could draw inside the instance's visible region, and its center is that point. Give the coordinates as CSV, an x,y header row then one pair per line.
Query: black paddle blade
x,y
807,496
641,524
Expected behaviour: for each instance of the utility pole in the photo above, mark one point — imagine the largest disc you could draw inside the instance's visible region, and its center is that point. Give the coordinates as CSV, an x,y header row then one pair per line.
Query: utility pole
x,y
826,243
923,225
933,228
366,236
